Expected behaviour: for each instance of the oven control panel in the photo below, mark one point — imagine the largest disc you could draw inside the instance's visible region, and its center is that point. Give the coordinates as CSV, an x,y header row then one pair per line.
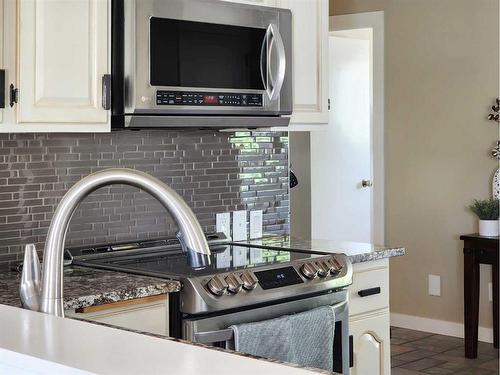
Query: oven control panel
x,y
248,280
195,98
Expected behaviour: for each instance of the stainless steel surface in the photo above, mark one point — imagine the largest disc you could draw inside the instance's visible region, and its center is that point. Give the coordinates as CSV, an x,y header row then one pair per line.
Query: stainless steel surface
x,y
273,37
366,183
197,299
234,283
309,270
210,330
140,95
137,121
249,280
193,238
217,285
31,279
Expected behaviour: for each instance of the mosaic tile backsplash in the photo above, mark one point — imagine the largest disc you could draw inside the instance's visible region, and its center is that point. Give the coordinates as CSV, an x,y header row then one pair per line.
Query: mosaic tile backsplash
x,y
214,172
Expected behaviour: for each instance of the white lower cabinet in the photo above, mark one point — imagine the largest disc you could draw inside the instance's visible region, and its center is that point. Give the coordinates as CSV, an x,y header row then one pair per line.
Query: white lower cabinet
x,y
369,318
149,314
371,344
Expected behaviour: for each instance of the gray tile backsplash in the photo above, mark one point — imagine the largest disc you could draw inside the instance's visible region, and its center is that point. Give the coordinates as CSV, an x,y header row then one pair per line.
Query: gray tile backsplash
x,y
214,172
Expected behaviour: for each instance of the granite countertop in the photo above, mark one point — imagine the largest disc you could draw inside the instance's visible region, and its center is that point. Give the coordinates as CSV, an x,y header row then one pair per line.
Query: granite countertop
x,y
85,287
356,251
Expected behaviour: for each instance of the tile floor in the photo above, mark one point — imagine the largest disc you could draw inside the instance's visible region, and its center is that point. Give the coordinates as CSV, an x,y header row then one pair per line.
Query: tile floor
x,y
421,353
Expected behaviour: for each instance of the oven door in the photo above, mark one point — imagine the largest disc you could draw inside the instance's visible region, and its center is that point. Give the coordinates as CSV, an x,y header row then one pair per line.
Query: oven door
x,y
206,50
214,330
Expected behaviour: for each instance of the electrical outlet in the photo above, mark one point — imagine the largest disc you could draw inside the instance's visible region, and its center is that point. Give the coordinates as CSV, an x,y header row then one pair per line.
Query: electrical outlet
x,y
240,226
255,224
435,285
490,292
223,223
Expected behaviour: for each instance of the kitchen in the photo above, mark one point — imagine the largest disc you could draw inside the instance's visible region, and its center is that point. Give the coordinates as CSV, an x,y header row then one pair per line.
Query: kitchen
x,y
181,224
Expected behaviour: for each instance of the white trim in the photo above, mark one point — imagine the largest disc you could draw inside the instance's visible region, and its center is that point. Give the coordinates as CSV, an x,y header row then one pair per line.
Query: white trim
x,y
440,327
375,21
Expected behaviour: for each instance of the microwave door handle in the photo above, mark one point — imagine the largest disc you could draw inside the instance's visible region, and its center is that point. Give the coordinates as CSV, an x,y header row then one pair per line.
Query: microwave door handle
x,y
276,41
264,49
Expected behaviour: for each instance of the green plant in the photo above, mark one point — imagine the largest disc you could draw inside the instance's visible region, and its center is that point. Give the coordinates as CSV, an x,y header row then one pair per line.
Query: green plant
x,y
486,209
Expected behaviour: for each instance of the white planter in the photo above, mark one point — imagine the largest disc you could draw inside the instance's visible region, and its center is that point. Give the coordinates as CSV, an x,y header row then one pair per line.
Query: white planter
x,y
488,228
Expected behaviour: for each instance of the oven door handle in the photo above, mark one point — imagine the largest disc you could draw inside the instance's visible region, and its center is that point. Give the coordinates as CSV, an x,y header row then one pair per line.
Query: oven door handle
x,y
214,336
228,334
273,85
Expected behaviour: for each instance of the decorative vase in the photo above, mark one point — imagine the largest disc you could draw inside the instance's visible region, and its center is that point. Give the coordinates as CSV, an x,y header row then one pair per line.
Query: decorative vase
x,y
488,228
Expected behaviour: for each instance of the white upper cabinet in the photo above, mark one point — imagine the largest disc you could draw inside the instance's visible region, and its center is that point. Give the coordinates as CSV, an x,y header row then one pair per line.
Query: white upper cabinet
x,y
63,53
2,64
310,60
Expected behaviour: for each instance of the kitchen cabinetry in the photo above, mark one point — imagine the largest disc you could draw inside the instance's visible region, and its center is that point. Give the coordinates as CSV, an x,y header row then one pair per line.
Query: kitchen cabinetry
x,y
148,314
2,65
63,51
369,319
310,61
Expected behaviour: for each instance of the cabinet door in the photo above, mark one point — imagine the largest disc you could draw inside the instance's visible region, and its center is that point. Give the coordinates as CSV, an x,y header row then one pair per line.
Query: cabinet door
x,y
310,60
63,54
371,345
2,63
269,3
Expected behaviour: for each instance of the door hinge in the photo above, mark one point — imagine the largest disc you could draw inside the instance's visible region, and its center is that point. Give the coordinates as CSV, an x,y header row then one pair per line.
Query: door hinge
x,y
106,91
329,106
13,95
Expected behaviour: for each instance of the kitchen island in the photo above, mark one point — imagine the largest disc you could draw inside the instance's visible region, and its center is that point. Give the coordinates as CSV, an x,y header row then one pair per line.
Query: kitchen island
x,y
32,342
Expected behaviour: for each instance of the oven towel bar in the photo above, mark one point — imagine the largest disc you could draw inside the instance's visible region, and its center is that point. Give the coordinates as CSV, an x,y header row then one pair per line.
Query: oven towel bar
x,y
304,338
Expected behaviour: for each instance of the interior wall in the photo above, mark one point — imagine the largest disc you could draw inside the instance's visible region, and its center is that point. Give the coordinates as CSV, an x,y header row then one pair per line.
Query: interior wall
x,y
300,196
442,74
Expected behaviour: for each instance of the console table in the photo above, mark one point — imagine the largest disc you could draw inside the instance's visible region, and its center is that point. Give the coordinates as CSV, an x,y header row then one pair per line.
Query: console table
x,y
477,250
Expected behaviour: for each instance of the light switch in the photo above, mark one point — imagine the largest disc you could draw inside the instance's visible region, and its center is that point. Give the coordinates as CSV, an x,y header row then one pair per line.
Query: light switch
x,y
223,223
435,285
240,226
255,224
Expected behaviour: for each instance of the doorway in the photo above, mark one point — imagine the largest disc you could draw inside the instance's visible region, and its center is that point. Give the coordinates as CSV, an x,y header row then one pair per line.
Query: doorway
x,y
347,168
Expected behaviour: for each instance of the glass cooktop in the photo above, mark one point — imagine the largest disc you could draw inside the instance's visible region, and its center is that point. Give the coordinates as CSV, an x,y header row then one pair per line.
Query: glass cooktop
x,y
173,263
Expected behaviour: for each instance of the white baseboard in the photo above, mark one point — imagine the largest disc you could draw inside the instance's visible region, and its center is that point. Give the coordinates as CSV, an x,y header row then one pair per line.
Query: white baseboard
x,y
440,327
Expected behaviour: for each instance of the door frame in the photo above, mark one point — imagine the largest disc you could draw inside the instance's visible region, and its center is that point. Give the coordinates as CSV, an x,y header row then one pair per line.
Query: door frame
x,y
375,21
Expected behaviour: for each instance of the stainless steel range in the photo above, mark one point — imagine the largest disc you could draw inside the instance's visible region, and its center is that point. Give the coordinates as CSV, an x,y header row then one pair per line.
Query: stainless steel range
x,y
239,286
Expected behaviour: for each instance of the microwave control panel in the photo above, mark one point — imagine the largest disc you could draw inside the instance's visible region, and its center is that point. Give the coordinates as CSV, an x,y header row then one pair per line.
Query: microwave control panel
x,y
192,98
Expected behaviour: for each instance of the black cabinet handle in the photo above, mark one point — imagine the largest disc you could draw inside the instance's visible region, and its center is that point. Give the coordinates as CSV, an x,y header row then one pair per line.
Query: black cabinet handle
x,y
369,292
2,88
351,352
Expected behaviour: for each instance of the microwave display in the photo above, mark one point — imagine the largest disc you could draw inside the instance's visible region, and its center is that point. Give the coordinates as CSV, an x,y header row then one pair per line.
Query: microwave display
x,y
194,98
205,55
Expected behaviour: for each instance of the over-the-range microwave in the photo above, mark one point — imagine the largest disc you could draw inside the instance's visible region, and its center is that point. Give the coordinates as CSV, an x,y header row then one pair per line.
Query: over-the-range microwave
x,y
200,63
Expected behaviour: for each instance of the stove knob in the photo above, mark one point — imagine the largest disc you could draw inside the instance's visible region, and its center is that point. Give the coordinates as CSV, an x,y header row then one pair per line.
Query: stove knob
x,y
336,266
309,270
217,285
323,268
249,280
234,283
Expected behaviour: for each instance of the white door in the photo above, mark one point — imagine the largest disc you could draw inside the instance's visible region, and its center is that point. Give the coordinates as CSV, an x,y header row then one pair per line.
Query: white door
x,y
341,155
63,54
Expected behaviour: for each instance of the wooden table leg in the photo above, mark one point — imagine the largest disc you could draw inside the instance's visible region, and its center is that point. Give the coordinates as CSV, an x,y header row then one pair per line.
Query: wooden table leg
x,y
471,302
495,303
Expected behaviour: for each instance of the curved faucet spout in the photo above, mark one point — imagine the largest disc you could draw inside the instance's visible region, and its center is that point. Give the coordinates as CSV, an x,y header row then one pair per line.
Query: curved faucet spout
x,y
190,233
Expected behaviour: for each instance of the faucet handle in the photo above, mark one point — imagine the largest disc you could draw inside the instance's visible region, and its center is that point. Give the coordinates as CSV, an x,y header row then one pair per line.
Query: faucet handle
x,y
31,279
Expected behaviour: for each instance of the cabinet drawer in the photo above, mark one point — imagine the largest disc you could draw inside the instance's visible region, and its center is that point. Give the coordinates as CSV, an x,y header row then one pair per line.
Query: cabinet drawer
x,y
369,291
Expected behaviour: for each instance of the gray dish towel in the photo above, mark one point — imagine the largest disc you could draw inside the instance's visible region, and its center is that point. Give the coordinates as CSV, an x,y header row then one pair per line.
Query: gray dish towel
x,y
305,338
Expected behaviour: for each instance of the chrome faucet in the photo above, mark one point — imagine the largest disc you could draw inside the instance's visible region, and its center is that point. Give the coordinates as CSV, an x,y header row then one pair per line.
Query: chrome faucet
x,y
44,292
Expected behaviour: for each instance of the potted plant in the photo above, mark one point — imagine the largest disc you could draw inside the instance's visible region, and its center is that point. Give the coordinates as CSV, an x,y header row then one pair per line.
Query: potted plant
x,y
488,212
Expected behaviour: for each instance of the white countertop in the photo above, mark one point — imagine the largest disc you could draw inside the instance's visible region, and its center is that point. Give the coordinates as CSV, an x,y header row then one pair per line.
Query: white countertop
x,y
66,346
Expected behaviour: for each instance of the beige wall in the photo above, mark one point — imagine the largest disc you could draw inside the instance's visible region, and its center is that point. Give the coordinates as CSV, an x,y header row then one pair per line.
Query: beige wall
x,y
441,76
